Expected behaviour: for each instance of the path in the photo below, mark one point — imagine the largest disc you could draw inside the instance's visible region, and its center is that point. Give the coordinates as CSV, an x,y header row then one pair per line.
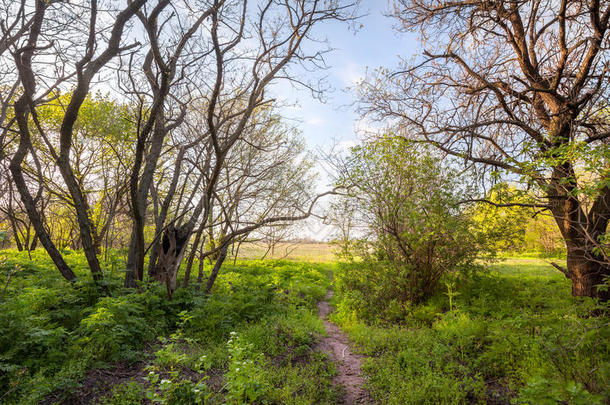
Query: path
x,y
336,344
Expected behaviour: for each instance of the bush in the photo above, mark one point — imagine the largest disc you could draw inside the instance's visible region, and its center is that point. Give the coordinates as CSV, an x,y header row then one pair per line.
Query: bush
x,y
409,203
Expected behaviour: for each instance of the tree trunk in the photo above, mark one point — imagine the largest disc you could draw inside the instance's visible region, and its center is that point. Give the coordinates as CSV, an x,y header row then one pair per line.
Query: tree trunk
x,y
25,144
131,275
15,233
191,259
172,250
200,273
34,242
221,258
83,211
581,232
586,273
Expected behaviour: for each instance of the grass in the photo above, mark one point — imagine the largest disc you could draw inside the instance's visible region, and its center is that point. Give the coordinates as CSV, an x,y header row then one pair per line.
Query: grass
x,y
251,340
314,252
515,335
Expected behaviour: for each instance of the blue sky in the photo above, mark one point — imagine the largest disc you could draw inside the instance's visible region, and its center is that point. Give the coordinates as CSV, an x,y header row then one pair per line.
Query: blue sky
x,y
373,45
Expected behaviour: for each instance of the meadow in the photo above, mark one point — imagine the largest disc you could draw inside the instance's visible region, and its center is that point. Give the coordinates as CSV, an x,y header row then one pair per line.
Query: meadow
x,y
249,341
510,334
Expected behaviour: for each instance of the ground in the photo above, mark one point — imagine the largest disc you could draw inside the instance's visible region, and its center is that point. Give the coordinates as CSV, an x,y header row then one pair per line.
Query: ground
x,y
266,334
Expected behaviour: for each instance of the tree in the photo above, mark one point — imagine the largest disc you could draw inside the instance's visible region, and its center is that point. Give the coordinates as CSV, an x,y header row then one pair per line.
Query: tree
x,y
518,88
191,78
246,51
103,44
406,203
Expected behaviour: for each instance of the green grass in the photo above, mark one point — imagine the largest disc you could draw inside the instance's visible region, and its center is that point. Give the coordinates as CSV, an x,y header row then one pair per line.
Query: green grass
x,y
250,340
515,335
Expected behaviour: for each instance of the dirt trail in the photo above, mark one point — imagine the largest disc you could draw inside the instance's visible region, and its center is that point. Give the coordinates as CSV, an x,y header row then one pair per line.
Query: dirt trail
x,y
336,344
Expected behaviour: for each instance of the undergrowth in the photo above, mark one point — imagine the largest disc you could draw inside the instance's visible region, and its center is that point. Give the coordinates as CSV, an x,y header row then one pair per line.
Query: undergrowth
x,y
513,335
250,340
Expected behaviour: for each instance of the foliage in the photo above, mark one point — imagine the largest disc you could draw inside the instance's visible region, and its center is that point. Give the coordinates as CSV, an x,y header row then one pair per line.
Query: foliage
x,y
175,389
243,377
53,334
408,201
504,227
480,92
515,334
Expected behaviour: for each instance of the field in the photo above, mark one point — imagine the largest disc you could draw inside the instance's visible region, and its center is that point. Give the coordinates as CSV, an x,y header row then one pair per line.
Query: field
x,y
316,252
513,334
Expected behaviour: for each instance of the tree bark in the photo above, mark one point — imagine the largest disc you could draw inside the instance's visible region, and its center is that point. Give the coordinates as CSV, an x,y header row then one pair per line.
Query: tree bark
x,y
586,273
191,259
221,258
172,250
585,268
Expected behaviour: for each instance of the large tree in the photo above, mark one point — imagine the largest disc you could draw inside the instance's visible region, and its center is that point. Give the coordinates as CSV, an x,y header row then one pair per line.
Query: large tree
x,y
518,88
45,62
188,83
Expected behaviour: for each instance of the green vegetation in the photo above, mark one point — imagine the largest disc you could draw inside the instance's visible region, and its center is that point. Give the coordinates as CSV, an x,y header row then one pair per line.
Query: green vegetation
x,y
251,339
152,169
408,201
515,335
512,334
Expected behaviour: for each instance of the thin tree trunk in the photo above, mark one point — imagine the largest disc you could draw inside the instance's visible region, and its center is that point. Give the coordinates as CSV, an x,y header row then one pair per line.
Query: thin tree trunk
x,y
221,258
15,234
200,273
191,259
34,242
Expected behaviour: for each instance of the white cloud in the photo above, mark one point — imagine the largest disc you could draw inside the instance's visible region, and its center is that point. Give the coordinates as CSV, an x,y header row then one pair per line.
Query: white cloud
x,y
350,73
315,121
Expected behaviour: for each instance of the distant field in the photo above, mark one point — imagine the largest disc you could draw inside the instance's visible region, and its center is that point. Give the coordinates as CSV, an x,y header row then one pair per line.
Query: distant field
x,y
307,252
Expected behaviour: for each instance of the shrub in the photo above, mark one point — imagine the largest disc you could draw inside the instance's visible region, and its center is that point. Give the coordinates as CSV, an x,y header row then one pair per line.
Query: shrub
x,y
408,202
114,328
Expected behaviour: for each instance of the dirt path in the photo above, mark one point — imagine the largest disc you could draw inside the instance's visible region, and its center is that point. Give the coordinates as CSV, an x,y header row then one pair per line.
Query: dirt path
x,y
336,344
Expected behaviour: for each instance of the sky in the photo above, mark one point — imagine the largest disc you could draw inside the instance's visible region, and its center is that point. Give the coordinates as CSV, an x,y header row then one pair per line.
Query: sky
x,y
376,43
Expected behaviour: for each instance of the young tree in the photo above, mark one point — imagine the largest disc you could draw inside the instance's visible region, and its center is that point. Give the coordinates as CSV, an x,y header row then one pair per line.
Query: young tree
x,y
406,204
521,88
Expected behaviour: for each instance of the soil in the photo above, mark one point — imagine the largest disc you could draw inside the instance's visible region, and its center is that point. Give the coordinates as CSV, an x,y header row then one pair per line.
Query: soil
x,y
348,364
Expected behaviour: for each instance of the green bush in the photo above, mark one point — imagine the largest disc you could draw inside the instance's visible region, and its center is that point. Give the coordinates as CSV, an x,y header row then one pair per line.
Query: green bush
x,y
114,328
408,201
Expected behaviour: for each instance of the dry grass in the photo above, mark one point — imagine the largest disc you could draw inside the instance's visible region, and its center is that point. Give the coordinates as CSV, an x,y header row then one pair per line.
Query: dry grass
x,y
316,252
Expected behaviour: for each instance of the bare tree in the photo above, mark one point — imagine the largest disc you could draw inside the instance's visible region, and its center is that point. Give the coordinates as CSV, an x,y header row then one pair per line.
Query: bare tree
x,y
193,78
520,88
76,65
248,53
